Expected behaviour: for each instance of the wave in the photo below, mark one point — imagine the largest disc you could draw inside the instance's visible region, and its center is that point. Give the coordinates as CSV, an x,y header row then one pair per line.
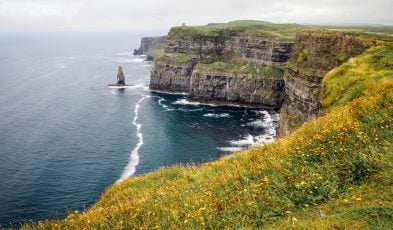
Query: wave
x,y
160,100
122,54
131,60
134,156
268,122
230,149
184,101
246,141
216,115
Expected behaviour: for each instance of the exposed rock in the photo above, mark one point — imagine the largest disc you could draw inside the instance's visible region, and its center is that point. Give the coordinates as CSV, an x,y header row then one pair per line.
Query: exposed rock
x,y
315,54
238,89
170,76
184,49
120,76
148,44
149,57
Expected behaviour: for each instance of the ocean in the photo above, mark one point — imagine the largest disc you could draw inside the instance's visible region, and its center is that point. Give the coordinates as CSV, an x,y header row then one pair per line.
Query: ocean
x,y
65,137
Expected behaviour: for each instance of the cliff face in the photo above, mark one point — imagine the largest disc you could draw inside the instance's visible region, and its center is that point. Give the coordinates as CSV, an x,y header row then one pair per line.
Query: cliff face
x,y
184,48
255,47
171,76
315,53
223,87
148,44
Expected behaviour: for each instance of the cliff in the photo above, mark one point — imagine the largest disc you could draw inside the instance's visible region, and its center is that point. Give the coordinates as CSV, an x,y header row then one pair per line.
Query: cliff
x,y
245,43
223,83
315,53
148,44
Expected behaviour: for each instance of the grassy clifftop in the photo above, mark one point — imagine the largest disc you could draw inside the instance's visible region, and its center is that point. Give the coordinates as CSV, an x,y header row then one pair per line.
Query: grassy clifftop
x,y
283,32
279,31
333,172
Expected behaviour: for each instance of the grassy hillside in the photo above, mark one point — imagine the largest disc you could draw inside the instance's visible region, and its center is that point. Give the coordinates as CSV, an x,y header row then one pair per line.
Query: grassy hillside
x,y
334,172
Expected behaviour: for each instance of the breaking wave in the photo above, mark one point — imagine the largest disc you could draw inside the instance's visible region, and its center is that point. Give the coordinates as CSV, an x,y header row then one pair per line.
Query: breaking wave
x,y
134,156
216,115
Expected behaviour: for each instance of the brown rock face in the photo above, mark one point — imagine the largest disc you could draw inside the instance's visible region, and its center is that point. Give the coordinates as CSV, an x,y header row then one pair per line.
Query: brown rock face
x,y
183,51
238,89
170,76
315,53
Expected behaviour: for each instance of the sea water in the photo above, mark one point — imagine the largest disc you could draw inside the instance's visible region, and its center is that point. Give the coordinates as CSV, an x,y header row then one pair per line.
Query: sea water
x,y
65,137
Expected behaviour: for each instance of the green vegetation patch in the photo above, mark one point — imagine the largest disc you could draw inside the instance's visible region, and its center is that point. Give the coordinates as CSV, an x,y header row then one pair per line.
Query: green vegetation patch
x,y
157,53
177,59
350,80
242,67
181,58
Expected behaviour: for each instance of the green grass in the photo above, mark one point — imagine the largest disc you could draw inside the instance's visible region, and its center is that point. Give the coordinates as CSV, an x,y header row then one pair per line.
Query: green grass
x,y
350,80
278,31
282,32
157,53
178,59
242,67
333,172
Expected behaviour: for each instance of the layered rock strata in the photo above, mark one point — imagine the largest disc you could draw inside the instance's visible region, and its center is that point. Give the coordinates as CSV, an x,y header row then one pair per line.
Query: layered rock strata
x,y
175,71
315,53
230,87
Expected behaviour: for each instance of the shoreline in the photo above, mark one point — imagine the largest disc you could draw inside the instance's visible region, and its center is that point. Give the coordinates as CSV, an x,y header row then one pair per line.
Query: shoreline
x,y
215,103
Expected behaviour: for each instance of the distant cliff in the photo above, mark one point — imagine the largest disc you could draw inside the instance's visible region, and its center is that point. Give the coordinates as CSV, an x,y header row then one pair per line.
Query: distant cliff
x,y
194,54
148,44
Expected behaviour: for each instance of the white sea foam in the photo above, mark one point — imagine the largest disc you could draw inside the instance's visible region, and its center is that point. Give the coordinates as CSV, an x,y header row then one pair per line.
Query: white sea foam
x,y
184,101
160,100
134,156
130,60
216,115
245,141
122,54
229,149
268,122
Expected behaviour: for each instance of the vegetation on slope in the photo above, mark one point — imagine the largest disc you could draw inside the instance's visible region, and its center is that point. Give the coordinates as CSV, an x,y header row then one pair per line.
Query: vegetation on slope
x,y
157,53
354,78
334,172
242,68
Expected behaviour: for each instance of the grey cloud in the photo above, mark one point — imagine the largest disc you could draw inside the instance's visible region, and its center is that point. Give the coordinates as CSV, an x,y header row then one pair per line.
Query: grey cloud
x,y
153,15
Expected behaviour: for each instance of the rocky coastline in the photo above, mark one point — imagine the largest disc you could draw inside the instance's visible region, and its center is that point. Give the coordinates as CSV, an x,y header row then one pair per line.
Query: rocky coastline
x,y
229,65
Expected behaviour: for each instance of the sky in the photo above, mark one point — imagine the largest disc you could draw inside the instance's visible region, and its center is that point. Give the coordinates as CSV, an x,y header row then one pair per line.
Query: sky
x,y
151,15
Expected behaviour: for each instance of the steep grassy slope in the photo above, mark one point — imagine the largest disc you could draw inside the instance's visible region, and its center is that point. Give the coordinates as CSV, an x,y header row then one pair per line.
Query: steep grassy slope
x,y
334,172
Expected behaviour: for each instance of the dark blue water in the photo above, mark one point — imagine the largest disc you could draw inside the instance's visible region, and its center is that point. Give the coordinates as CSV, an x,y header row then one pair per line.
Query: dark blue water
x,y
65,137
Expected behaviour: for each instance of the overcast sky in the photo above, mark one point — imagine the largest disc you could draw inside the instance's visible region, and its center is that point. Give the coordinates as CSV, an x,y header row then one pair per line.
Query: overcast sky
x,y
162,14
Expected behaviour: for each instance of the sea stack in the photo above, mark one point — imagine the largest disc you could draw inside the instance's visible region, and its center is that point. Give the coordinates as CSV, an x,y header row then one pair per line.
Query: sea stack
x,y
121,80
